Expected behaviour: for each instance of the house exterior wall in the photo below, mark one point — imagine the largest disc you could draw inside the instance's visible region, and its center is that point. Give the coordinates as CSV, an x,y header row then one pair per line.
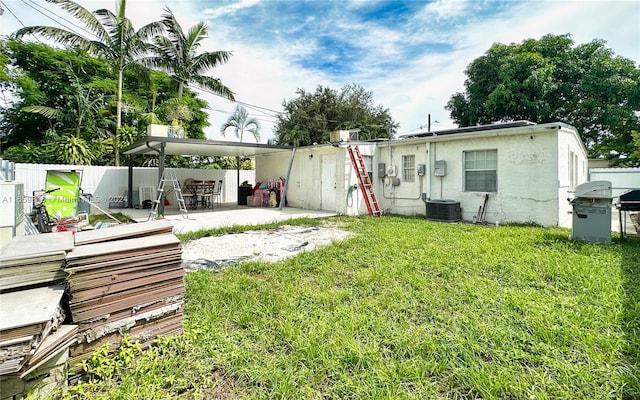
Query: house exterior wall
x,y
304,189
537,168
526,178
573,170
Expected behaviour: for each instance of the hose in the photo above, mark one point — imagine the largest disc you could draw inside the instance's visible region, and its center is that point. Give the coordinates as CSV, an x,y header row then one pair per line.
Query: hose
x,y
350,195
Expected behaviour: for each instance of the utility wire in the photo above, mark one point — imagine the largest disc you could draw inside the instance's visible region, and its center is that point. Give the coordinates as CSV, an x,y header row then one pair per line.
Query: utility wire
x,y
57,15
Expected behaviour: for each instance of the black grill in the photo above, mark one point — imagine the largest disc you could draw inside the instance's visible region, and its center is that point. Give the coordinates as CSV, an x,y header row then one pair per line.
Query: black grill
x,y
629,201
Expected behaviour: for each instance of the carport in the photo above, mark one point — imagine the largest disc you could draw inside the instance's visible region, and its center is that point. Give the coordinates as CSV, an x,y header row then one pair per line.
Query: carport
x,y
164,146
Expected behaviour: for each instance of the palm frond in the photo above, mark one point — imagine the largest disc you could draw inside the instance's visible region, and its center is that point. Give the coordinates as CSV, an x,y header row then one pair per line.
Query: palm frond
x,y
45,111
215,85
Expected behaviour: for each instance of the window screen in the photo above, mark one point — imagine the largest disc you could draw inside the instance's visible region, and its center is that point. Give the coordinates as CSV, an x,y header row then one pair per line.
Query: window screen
x,y
480,171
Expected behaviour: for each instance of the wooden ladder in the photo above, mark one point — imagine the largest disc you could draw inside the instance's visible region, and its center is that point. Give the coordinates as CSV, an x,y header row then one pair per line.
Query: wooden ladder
x,y
168,175
365,182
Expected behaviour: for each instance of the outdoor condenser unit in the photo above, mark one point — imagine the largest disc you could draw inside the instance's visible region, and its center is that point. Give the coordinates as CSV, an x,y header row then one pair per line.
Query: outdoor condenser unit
x,y
443,210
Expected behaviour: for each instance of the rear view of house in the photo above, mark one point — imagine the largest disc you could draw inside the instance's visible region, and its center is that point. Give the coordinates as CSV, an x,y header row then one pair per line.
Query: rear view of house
x,y
513,172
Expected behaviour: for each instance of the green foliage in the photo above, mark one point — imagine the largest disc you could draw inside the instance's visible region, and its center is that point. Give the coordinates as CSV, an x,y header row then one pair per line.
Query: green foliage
x,y
73,150
311,117
177,53
241,122
71,93
549,80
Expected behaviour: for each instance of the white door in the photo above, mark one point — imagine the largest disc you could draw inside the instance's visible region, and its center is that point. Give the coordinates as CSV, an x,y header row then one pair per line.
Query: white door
x,y
328,185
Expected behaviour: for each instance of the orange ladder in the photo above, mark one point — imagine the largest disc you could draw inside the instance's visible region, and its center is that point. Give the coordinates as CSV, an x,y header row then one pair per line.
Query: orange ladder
x,y
365,182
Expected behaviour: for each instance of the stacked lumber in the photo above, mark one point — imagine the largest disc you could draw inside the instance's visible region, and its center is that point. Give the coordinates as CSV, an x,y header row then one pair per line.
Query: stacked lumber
x,y
34,344
125,280
34,260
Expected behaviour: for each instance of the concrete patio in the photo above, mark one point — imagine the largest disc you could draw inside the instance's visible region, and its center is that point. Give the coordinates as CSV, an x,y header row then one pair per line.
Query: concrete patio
x,y
229,214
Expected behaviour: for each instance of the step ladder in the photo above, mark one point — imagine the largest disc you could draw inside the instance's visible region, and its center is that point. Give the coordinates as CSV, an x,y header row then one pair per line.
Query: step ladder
x,y
365,182
168,176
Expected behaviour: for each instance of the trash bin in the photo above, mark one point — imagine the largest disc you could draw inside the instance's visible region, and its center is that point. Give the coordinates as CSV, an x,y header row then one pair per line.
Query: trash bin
x,y
592,212
243,192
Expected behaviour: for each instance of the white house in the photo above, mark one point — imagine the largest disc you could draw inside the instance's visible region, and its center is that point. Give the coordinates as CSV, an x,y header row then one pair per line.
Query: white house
x,y
527,170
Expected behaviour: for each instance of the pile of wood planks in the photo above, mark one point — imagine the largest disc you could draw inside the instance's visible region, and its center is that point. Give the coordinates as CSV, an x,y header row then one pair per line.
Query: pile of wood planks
x,y
62,296
124,280
34,260
34,343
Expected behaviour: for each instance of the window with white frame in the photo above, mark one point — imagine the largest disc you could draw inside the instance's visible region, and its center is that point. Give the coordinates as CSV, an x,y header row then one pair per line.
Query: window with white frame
x,y
368,164
480,171
409,168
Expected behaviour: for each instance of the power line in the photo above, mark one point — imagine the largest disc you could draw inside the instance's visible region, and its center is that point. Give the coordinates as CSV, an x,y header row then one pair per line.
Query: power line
x,y
11,12
57,15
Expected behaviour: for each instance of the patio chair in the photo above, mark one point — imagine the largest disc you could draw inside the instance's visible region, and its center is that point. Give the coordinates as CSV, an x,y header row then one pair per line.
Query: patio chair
x,y
216,195
189,193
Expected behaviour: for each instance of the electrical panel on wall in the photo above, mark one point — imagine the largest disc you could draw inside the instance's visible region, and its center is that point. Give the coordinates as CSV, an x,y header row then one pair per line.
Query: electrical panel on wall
x,y
382,170
440,168
422,169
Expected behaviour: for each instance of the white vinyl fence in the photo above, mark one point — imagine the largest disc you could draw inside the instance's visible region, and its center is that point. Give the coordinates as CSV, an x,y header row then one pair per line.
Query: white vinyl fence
x,y
109,184
622,179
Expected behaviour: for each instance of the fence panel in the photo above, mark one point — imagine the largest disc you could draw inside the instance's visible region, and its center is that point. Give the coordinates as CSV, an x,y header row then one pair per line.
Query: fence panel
x,y
109,184
622,179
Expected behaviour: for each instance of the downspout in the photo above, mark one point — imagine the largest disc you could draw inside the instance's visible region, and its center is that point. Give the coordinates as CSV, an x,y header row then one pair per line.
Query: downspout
x,y
283,198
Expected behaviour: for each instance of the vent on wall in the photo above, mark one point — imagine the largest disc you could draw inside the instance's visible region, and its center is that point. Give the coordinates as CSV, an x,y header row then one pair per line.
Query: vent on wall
x,y
443,210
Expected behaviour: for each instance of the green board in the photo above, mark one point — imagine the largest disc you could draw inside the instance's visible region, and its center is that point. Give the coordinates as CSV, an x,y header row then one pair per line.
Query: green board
x,y
64,201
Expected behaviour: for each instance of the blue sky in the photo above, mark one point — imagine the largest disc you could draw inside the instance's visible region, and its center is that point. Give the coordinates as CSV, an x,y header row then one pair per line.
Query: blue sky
x,y
410,54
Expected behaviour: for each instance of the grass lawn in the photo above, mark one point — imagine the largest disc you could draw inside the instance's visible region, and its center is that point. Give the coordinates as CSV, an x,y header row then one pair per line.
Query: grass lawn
x,y
407,309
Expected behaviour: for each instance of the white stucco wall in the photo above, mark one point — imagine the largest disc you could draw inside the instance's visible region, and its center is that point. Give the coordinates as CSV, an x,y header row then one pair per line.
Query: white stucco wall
x,y
569,143
531,177
532,174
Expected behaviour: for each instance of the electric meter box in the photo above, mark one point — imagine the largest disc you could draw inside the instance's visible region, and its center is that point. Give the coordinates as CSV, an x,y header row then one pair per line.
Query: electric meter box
x,y
422,169
440,168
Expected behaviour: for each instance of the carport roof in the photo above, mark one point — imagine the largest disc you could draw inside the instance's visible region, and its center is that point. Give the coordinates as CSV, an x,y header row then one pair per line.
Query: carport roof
x,y
201,147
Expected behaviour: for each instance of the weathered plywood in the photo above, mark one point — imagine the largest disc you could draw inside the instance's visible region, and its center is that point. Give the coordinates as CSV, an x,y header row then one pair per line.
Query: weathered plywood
x,y
36,246
123,232
29,307
115,303
128,287
121,247
99,268
111,277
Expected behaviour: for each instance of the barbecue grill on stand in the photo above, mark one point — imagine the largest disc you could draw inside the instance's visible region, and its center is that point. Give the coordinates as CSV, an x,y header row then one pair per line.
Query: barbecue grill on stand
x,y
592,212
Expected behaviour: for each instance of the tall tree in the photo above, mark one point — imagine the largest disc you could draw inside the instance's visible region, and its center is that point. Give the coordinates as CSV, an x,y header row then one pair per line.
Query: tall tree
x,y
240,121
115,39
177,54
311,117
550,80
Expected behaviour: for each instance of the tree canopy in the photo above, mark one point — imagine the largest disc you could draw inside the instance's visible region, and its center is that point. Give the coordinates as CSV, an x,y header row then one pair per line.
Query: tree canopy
x,y
54,93
311,117
551,80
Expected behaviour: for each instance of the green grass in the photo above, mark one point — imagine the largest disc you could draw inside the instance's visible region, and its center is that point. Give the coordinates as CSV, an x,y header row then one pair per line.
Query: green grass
x,y
408,309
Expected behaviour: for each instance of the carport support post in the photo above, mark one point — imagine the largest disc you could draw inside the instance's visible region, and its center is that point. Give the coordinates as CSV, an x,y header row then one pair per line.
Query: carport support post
x,y
160,174
130,182
283,198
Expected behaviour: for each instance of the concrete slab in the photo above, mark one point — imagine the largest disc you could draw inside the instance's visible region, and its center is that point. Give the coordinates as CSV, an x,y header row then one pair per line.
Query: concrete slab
x,y
229,214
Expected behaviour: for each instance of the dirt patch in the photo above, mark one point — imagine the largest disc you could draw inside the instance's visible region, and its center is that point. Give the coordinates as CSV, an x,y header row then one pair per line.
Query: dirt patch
x,y
216,252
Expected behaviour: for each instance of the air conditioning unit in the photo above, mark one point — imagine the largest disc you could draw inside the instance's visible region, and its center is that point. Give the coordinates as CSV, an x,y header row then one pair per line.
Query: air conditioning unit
x,y
344,136
443,210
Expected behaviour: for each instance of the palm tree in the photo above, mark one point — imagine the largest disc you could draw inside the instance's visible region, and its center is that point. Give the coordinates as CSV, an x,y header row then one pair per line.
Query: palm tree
x,y
241,122
177,55
115,39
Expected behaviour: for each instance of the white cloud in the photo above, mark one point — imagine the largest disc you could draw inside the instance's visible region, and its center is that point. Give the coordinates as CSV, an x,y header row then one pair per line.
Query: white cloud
x,y
228,9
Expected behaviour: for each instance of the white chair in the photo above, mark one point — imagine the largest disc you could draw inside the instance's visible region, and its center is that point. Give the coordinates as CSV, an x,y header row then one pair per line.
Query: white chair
x,y
216,194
